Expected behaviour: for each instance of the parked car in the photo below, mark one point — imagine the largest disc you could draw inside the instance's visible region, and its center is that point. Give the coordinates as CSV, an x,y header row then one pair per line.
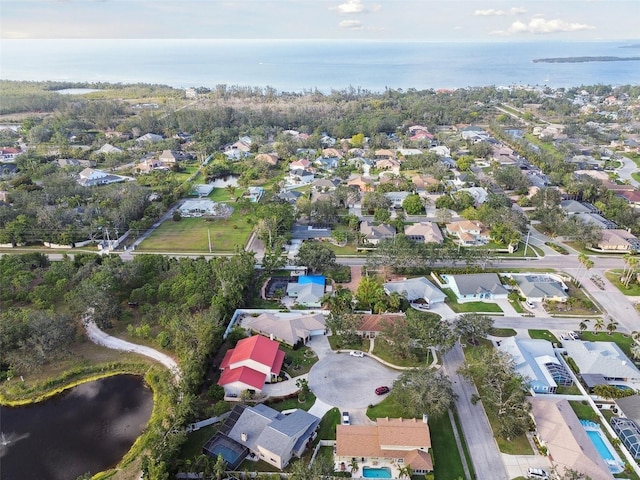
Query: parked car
x,y
382,390
530,304
573,336
356,353
346,420
537,473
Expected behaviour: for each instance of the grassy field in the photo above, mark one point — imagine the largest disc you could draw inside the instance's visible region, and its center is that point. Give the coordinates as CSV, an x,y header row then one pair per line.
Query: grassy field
x,y
195,441
503,332
192,235
382,350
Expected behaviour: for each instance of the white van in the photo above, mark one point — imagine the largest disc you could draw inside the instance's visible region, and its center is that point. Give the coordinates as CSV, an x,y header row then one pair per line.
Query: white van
x,y
537,473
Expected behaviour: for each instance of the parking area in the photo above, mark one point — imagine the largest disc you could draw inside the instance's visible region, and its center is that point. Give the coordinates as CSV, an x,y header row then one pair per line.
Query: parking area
x,y
349,382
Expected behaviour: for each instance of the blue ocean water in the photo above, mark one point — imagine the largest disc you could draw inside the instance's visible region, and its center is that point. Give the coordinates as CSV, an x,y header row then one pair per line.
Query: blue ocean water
x,y
297,65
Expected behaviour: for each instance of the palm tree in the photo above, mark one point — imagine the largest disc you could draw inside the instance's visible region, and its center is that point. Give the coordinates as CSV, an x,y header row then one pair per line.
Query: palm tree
x,y
612,325
354,465
583,324
405,471
635,335
635,351
599,325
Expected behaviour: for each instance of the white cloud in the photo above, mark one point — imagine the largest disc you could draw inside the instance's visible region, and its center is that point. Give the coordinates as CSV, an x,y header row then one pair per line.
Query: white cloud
x,y
352,24
350,6
542,26
490,12
355,6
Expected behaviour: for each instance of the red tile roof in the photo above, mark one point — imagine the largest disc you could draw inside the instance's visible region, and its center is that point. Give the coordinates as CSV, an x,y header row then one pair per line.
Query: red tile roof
x,y
257,348
246,375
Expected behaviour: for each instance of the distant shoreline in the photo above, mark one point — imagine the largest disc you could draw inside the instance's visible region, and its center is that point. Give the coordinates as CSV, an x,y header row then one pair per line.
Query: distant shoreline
x,y
584,59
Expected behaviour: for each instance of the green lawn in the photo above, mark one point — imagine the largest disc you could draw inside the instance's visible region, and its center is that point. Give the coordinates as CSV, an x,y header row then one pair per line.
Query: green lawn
x,y
622,340
222,195
195,441
467,307
327,428
447,462
614,277
584,411
299,361
382,350
503,332
517,306
543,335
337,343
192,235
291,403
583,306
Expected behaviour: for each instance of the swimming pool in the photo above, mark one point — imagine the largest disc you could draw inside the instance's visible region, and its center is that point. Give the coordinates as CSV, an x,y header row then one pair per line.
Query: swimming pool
x,y
380,472
229,454
605,449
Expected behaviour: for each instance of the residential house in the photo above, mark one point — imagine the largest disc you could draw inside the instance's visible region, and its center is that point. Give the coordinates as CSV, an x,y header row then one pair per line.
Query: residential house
x,y
572,207
254,194
308,290
293,328
536,361
394,441
602,358
567,442
468,233
299,177
441,151
303,164
384,154
268,158
364,184
332,153
325,184
270,435
149,138
633,197
373,234
327,141
538,288
407,152
8,168
289,196
327,163
198,208
474,133
397,198
9,154
476,286
90,177
424,182
252,363
418,291
109,149
425,232
122,136
150,164
388,164
372,325
598,220
618,240
172,156
627,425
479,194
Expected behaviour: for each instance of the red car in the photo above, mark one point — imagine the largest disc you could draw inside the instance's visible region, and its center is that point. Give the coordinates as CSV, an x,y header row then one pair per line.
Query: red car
x,y
382,390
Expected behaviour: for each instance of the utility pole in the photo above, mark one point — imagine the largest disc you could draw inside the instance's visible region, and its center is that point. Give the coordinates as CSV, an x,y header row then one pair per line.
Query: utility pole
x,y
209,235
526,245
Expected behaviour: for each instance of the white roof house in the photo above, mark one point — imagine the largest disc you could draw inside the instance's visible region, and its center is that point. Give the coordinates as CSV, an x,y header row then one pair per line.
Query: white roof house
x,y
536,361
91,177
416,289
108,148
197,208
289,328
306,294
476,286
604,358
424,232
537,288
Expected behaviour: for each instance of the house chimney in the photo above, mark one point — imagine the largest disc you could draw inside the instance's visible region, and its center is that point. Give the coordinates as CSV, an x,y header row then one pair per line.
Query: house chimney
x,y
243,437
425,418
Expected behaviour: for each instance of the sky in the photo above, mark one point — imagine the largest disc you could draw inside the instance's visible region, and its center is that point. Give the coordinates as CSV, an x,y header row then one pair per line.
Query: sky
x,y
428,20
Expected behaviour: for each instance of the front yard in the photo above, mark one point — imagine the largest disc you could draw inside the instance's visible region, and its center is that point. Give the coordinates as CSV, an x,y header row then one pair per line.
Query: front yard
x,y
577,304
468,307
632,290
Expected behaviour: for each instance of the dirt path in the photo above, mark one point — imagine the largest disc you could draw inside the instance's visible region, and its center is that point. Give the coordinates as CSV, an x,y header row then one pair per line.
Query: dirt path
x,y
99,337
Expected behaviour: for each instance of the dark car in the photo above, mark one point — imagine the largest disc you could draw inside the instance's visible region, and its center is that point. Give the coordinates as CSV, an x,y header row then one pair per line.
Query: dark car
x,y
382,390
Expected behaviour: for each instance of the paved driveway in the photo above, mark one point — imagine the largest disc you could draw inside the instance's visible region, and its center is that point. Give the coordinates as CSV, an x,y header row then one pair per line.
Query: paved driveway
x,y
349,382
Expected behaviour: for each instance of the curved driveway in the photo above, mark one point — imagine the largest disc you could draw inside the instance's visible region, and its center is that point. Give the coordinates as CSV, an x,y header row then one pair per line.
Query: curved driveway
x,y
99,337
349,382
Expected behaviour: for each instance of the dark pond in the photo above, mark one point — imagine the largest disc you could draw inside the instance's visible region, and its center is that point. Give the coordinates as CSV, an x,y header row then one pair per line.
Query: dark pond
x,y
87,429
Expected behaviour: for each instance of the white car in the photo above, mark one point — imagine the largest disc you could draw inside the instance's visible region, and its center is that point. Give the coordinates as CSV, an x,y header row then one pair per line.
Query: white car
x,y
356,353
346,420
538,473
